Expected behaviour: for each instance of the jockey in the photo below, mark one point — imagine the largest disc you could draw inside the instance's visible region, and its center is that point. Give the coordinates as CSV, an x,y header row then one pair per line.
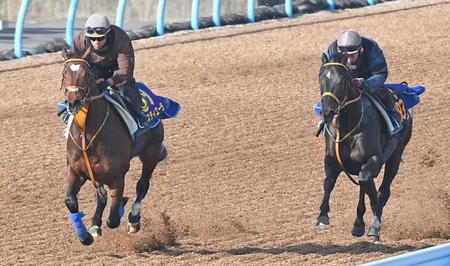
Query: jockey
x,y
112,61
368,67
112,58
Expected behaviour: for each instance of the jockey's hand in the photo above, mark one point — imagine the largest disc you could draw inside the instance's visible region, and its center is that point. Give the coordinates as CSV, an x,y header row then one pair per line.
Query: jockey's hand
x,y
103,85
358,82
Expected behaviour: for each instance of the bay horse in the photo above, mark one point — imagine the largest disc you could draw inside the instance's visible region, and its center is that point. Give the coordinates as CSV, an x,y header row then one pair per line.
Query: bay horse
x,y
357,142
99,149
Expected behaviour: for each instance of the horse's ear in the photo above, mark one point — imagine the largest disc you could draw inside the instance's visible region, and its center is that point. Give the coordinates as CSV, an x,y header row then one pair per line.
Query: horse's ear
x,y
86,53
324,58
67,53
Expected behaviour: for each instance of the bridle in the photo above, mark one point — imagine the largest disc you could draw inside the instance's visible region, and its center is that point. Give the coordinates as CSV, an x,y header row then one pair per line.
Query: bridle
x,y
335,122
76,89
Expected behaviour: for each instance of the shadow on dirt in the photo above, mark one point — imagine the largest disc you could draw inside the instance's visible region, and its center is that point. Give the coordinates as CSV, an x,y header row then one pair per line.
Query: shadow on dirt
x,y
302,249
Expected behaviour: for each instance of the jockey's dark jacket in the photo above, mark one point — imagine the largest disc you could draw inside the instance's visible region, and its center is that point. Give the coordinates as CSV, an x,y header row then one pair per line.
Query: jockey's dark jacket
x,y
113,62
371,64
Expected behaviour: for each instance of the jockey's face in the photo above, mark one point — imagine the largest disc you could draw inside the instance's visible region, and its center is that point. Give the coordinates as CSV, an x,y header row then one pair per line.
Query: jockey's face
x,y
353,58
98,43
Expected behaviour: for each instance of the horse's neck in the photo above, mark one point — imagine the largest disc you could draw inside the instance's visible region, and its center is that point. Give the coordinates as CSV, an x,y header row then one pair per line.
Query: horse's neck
x,y
350,118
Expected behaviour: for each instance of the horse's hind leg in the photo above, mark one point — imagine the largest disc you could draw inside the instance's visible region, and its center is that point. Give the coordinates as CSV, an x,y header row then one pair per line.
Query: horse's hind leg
x,y
101,199
332,171
372,193
149,158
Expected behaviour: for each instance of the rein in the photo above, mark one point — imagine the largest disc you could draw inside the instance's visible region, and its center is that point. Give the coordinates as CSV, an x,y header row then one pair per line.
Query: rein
x,y
84,102
337,140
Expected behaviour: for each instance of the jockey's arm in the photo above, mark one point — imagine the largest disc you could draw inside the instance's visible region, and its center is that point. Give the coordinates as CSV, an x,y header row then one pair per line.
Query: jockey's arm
x,y
125,62
378,68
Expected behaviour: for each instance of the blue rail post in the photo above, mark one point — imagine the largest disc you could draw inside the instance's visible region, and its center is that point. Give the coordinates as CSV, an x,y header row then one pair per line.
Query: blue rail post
x,y
70,22
216,12
160,17
19,28
120,16
331,5
195,14
372,2
251,5
288,8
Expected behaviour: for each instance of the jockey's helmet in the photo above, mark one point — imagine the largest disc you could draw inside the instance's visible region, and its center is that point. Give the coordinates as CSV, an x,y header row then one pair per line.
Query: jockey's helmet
x,y
97,25
349,41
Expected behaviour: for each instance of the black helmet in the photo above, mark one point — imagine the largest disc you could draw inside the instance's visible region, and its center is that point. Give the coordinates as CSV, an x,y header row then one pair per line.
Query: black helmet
x,y
349,41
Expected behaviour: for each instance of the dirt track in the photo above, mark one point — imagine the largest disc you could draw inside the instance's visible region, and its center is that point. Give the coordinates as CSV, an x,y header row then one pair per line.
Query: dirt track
x,y
243,181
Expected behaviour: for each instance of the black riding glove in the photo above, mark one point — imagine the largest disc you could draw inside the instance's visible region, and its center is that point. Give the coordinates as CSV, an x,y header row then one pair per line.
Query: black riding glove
x,y
103,85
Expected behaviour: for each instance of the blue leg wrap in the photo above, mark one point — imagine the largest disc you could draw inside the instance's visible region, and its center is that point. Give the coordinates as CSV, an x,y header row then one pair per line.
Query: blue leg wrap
x,y
78,225
121,210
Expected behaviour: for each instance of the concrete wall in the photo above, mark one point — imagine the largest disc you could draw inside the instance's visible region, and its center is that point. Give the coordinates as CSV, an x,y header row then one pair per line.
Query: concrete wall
x,y
139,10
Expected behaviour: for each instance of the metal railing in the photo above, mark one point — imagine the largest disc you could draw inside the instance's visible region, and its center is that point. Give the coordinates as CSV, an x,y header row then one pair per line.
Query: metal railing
x,y
120,16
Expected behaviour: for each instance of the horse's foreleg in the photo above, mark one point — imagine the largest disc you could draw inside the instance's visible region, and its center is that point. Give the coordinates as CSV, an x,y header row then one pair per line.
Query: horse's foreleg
x,y
117,203
359,225
149,160
384,192
73,187
101,200
332,171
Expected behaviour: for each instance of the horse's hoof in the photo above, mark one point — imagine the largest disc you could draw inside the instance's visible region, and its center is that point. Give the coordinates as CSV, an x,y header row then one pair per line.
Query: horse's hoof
x,y
376,240
358,229
113,225
88,241
323,221
133,228
373,231
95,231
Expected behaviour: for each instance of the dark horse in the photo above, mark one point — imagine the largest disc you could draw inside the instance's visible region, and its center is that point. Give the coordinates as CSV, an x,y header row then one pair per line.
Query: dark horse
x,y
357,142
99,148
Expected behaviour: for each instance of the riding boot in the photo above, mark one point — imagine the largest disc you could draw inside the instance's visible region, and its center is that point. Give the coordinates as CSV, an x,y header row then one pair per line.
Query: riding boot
x,y
320,126
397,119
395,115
135,102
64,115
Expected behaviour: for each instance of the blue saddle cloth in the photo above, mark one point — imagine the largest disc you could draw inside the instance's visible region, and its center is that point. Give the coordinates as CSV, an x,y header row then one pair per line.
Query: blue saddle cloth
x,y
409,95
156,107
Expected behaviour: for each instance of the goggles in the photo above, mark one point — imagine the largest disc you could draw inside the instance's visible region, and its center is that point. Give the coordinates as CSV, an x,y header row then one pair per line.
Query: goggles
x,y
97,30
349,49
